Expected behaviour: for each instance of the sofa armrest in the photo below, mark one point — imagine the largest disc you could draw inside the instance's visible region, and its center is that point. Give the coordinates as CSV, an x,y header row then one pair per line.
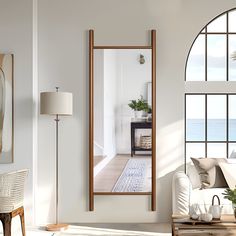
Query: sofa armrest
x,y
181,192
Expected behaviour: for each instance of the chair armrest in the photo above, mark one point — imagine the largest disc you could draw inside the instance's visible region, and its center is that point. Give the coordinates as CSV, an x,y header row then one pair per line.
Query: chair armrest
x,y
12,190
181,192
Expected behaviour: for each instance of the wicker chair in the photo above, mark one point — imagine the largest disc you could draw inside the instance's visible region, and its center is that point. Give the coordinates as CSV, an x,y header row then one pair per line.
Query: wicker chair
x,y
11,199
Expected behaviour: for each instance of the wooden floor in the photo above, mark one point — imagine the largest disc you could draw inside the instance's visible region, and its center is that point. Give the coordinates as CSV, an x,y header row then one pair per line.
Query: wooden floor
x,y
97,159
106,179
95,229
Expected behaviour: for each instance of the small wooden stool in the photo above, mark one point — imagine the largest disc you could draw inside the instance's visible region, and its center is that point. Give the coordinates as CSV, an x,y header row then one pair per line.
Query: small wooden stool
x,y
6,219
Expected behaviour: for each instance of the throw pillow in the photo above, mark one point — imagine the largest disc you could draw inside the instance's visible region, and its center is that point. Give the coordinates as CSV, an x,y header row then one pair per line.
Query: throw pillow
x,y
229,171
233,154
209,172
193,176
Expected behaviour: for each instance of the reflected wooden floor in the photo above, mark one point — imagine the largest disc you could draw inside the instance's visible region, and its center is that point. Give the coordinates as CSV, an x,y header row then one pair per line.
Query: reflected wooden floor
x,y
97,159
106,179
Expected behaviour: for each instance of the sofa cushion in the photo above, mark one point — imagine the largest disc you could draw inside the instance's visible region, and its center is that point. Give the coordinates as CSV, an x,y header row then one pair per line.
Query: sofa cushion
x,y
209,172
181,192
193,176
229,171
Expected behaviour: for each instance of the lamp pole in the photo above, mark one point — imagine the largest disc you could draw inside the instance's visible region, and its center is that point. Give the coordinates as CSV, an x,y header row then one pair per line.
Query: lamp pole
x,y
57,121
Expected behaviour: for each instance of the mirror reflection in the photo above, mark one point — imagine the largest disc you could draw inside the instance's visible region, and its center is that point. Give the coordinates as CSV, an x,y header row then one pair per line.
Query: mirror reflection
x,y
122,120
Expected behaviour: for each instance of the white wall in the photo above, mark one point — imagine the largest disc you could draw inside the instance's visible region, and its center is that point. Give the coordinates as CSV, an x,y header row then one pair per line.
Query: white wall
x,y
118,79
132,82
63,60
99,103
110,102
16,37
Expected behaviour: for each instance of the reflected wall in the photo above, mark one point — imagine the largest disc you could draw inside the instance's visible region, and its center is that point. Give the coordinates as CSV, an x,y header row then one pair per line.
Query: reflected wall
x,y
122,155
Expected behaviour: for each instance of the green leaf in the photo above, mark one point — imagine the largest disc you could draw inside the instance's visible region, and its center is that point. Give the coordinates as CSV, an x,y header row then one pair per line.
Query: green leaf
x,y
230,194
139,105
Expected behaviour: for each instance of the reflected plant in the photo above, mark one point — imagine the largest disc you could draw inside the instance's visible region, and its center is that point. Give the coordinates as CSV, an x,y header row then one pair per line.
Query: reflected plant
x,y
149,110
139,105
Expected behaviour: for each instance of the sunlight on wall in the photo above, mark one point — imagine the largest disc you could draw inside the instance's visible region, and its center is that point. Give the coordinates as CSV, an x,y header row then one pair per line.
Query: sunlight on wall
x,y
170,148
45,204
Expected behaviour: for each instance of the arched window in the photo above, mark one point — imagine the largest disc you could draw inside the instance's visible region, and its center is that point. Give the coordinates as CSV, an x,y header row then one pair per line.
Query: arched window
x,y
210,98
213,53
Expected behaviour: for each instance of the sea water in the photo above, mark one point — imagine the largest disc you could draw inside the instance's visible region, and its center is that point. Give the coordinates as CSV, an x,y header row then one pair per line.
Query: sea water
x,y
216,129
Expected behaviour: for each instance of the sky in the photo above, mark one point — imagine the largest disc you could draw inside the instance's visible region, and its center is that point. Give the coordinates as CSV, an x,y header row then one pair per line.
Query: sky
x,y
216,52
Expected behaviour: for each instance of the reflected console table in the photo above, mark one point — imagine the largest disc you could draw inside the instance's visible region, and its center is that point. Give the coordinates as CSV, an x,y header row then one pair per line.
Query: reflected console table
x,y
138,125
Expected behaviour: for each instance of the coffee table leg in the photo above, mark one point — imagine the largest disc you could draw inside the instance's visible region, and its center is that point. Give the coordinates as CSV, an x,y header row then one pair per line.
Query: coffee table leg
x,y
174,230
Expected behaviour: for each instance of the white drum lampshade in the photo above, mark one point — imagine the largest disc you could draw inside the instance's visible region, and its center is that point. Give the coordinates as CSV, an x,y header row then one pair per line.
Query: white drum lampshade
x,y
56,103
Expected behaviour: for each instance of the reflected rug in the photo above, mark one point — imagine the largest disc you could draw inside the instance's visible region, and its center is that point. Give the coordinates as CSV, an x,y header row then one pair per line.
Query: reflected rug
x,y
133,177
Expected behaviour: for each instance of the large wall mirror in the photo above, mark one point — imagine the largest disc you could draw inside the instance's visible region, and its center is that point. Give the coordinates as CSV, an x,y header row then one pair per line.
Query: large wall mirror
x,y
122,120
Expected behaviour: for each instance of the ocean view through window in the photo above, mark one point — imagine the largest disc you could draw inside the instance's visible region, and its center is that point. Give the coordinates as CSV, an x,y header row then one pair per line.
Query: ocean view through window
x,y
210,104
210,125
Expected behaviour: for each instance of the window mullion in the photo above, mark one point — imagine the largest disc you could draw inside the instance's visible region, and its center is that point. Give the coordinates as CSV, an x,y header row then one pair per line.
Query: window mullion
x,y
206,54
185,131
227,46
205,125
227,125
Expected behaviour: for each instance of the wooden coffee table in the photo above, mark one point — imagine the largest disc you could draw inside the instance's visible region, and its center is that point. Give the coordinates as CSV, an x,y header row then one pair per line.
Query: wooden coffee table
x,y
182,225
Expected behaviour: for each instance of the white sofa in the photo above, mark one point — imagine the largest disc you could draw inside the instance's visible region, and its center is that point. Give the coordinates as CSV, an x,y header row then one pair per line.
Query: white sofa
x,y
186,191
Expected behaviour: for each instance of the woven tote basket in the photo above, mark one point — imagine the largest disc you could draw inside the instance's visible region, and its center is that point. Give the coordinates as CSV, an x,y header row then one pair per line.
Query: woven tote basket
x,y
146,142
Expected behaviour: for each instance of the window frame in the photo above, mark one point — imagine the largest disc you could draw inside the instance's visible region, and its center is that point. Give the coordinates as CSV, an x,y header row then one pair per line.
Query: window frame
x,y
205,87
205,33
205,142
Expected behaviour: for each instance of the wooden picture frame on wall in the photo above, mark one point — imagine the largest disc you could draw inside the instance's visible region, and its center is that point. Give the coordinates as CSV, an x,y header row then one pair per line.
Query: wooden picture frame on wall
x,y
152,47
6,108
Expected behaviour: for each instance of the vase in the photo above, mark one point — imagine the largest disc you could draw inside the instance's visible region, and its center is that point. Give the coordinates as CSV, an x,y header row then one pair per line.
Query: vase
x,y
138,114
234,208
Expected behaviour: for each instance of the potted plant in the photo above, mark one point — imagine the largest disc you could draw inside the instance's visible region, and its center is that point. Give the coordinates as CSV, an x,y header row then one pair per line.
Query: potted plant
x,y
149,113
230,194
139,106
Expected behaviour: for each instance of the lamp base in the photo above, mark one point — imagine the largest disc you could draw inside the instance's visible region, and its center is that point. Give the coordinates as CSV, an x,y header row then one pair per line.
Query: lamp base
x,y
56,227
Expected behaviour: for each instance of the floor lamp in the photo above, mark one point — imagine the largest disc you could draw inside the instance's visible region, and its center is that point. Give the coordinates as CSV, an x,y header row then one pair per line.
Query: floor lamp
x,y
57,104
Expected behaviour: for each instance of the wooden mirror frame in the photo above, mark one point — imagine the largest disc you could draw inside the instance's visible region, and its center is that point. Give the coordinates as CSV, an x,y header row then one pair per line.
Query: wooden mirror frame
x,y
91,120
